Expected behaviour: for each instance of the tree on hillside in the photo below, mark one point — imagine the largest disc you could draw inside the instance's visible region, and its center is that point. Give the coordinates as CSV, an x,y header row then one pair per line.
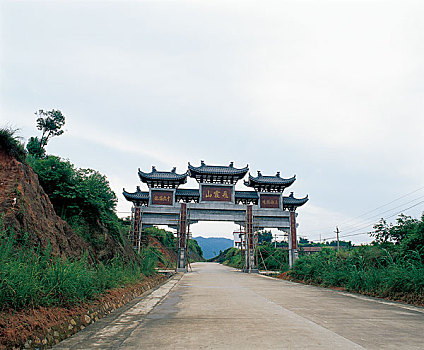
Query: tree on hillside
x,y
33,147
50,124
384,232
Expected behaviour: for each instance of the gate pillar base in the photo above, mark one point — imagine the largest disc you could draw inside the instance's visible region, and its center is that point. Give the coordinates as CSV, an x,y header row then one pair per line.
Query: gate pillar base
x,y
251,271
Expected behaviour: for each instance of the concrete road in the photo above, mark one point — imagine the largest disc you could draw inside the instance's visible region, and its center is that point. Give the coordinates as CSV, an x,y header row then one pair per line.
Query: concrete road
x,y
217,307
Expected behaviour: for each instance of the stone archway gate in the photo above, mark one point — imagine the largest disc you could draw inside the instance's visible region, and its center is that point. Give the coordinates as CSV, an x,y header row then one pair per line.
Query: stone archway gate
x,y
166,203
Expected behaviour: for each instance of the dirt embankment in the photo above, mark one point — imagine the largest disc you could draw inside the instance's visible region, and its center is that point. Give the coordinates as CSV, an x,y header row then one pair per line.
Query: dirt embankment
x,y
44,327
169,255
26,208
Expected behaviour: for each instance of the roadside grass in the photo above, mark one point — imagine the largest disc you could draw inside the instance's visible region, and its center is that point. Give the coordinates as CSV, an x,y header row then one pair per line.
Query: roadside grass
x,y
371,270
32,277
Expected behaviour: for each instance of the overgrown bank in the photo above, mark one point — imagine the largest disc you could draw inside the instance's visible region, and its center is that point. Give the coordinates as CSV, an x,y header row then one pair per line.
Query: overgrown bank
x,y
392,267
43,327
367,270
33,277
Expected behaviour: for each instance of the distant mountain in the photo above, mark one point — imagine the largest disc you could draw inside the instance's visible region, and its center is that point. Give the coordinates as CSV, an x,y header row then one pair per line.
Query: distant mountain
x,y
212,245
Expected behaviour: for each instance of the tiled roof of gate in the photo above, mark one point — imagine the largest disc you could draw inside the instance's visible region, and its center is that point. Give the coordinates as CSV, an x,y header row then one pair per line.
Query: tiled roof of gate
x,y
189,192
247,195
229,170
138,195
296,202
155,175
269,180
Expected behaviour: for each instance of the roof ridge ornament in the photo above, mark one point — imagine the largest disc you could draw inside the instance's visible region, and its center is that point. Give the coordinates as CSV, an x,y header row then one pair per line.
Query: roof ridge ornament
x,y
259,174
291,195
278,174
163,179
216,173
138,189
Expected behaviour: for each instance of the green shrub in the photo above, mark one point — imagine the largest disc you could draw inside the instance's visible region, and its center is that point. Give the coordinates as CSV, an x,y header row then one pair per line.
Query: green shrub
x,y
33,277
367,269
35,148
269,257
391,267
82,197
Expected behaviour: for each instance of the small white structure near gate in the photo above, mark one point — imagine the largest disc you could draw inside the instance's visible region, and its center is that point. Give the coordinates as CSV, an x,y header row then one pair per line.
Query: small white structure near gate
x,y
238,239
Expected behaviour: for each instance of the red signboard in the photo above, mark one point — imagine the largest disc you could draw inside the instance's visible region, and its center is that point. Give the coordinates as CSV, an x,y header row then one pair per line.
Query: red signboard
x,y
249,228
216,193
270,201
293,229
162,197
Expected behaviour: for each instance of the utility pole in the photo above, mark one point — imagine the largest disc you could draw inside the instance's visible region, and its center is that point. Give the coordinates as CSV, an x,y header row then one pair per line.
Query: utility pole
x,y
337,233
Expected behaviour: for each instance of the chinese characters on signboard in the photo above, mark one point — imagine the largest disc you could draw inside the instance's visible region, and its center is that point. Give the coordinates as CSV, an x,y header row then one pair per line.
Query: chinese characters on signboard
x,y
162,197
270,201
216,193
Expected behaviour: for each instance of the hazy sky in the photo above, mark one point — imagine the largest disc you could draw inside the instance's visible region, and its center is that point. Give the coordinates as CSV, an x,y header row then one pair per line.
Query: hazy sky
x,y
332,91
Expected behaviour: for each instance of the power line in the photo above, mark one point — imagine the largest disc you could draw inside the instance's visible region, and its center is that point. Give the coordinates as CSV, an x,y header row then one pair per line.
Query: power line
x,y
364,226
382,206
343,236
373,210
358,234
373,217
351,233
412,206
